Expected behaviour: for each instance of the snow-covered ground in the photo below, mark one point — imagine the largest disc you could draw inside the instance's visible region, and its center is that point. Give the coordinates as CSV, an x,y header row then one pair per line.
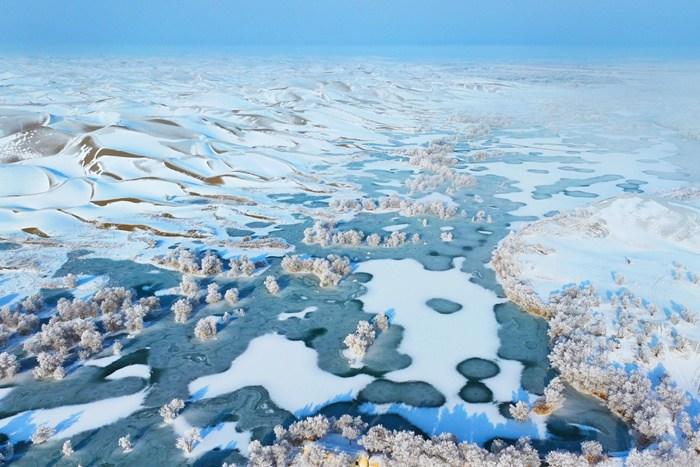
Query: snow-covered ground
x,y
106,165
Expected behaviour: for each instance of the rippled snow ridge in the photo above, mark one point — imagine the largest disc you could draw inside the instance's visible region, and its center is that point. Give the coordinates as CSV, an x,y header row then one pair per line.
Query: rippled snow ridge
x,y
195,251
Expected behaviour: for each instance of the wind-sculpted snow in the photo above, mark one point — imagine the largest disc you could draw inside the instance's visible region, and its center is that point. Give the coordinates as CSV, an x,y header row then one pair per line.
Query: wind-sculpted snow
x,y
206,251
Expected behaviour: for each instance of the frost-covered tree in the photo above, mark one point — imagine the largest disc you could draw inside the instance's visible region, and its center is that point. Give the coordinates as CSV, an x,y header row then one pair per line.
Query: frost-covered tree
x,y
211,264
50,366
213,294
182,309
70,281
8,365
231,296
330,270
359,341
205,329
90,342
565,459
381,322
171,410
592,451
374,240
67,449
309,429
42,434
134,318
188,440
446,236
519,411
189,287
276,455
241,266
350,427
32,304
271,285
124,444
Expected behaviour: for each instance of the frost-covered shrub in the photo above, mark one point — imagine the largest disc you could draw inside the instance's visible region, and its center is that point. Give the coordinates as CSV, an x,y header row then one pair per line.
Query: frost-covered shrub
x,y
239,312
276,455
271,285
124,444
213,294
325,234
42,434
565,459
303,445
519,411
77,308
374,240
8,365
403,448
32,304
90,342
359,341
313,455
211,264
350,427
70,281
182,309
134,318
113,322
395,239
330,270
205,329
112,299
592,451
411,208
189,287
553,397
17,321
67,449
381,322
241,266
171,410
231,296
50,365
446,236
188,440
309,429
186,261
481,217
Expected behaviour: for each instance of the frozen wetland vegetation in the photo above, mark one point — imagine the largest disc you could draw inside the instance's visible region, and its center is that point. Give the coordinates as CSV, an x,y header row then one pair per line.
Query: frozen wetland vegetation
x,y
341,262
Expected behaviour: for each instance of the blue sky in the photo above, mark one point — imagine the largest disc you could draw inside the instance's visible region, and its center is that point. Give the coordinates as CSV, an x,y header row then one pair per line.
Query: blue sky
x,y
42,25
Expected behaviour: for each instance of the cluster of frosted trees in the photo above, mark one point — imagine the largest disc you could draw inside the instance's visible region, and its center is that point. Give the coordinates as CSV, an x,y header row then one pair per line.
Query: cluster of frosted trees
x,y
407,207
437,158
210,264
79,325
326,234
586,336
329,270
362,338
21,318
206,328
303,444
680,272
299,446
552,400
